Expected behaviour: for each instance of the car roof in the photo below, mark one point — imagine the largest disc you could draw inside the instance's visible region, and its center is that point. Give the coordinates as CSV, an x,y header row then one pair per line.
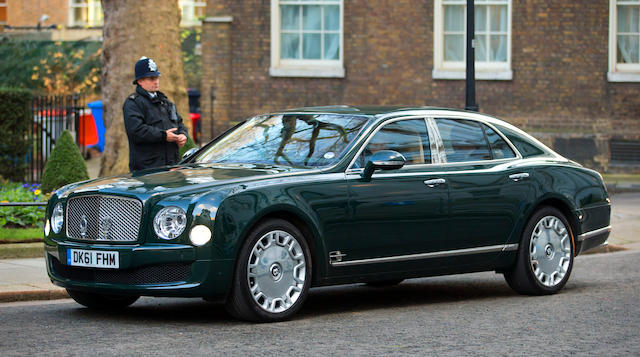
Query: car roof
x,y
364,110
391,111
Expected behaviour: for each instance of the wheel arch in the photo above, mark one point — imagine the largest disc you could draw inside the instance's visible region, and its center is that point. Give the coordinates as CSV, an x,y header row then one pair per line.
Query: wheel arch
x,y
566,209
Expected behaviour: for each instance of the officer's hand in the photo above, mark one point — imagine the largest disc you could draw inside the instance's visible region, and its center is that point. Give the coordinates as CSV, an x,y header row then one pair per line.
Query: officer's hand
x,y
171,136
182,139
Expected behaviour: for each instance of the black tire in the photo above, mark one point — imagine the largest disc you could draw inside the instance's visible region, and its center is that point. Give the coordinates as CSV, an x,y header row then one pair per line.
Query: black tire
x,y
102,301
384,283
522,276
241,302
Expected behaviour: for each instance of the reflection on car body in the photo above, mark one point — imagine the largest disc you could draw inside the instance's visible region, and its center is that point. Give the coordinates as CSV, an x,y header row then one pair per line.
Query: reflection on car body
x,y
329,195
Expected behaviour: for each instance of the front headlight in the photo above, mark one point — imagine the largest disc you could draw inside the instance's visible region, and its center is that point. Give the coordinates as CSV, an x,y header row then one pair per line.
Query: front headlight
x,y
170,222
57,218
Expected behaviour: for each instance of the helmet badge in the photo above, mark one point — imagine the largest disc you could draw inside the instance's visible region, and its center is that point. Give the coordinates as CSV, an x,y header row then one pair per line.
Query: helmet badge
x,y
152,65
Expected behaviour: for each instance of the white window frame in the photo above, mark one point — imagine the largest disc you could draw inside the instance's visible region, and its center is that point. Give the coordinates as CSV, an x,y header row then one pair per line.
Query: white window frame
x,y
188,10
94,10
300,67
619,72
456,70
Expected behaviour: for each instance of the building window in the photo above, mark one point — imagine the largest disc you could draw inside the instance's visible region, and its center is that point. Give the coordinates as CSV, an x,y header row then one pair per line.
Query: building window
x,y
193,11
624,41
492,39
85,13
3,12
306,38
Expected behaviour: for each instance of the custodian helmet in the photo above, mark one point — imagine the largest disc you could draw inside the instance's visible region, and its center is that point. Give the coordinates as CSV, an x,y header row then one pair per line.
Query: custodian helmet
x,y
145,67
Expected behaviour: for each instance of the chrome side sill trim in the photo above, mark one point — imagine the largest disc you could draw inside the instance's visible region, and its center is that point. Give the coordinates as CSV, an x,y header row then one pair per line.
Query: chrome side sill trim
x,y
442,254
588,235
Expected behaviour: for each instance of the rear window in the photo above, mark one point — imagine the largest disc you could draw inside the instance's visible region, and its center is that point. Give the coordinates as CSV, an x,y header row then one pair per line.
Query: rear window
x,y
526,148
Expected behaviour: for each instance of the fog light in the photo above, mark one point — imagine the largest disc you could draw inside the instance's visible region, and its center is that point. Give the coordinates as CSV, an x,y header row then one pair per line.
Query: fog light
x,y
47,228
200,235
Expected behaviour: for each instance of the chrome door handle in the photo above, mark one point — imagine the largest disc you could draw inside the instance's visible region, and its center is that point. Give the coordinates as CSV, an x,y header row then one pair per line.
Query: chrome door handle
x,y
519,177
434,182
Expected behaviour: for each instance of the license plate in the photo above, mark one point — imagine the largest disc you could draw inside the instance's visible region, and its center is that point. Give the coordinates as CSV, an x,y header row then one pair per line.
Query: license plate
x,y
93,258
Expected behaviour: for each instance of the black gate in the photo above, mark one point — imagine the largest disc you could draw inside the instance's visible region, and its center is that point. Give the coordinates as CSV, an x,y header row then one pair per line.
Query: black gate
x,y
51,116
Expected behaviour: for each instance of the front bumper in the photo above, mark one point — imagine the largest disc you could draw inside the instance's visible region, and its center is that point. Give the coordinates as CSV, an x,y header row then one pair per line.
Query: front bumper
x,y
144,269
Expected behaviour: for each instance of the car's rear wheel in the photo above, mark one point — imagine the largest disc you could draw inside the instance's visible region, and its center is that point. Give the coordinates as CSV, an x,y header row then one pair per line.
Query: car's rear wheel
x,y
102,301
272,274
545,255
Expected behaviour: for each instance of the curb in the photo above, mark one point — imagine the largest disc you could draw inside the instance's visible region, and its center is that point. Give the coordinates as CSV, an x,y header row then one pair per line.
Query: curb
x,y
30,295
615,187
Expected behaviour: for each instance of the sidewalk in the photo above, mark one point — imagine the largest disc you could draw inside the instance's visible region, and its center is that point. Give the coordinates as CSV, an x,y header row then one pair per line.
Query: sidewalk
x,y
26,279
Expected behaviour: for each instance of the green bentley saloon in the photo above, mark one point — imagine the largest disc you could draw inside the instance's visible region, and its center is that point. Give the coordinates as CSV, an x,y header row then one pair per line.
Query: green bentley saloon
x,y
288,201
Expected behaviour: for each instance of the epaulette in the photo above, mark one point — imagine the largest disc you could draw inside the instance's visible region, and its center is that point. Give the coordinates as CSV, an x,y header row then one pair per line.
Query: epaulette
x,y
133,96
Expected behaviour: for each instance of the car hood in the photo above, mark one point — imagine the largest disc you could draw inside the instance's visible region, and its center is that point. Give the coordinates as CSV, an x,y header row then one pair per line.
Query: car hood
x,y
175,180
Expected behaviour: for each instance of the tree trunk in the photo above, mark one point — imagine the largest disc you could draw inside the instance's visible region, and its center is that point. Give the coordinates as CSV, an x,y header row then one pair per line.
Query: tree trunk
x,y
132,29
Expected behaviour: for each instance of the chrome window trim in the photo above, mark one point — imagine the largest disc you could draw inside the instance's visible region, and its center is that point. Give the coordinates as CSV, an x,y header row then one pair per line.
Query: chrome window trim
x,y
515,150
371,134
474,116
430,118
594,233
432,255
355,173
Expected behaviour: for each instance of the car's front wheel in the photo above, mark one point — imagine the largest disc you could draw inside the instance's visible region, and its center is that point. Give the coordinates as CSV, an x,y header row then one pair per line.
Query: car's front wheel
x,y
545,255
272,274
102,301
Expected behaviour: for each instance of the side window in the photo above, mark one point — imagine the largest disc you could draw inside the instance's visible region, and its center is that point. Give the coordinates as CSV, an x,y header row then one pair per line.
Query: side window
x,y
463,140
499,148
408,137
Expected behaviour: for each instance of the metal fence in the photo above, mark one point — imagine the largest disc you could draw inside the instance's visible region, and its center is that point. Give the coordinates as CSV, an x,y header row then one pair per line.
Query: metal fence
x,y
51,116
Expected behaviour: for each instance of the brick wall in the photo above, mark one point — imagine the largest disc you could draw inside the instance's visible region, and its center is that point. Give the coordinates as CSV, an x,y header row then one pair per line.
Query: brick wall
x,y
28,12
559,62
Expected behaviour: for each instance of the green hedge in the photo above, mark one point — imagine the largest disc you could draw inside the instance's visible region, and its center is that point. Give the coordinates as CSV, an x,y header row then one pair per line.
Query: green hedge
x,y
15,119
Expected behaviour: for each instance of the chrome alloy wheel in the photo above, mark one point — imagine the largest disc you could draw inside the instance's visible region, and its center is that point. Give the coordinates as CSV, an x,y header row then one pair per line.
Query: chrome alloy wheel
x,y
276,271
550,251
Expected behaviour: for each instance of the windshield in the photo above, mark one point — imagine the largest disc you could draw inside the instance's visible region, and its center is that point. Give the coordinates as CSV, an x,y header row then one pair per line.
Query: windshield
x,y
297,140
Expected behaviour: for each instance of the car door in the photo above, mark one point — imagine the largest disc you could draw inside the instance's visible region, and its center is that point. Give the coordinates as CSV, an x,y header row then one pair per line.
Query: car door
x,y
397,212
487,191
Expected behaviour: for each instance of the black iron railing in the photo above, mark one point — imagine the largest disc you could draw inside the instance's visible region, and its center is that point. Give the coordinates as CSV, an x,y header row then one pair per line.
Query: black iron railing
x,y
51,116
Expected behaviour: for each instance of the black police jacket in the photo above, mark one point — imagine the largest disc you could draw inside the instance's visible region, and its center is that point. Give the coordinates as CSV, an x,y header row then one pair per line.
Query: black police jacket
x,y
146,119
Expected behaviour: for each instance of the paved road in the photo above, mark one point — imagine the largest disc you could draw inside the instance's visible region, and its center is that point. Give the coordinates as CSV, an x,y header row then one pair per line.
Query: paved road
x,y
476,314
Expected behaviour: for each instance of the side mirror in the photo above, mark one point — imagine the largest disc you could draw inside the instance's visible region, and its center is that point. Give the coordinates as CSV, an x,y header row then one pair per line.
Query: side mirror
x,y
187,154
383,160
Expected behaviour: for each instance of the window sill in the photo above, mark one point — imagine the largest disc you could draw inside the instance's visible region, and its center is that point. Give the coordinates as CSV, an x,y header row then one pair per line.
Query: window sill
x,y
623,77
480,75
312,72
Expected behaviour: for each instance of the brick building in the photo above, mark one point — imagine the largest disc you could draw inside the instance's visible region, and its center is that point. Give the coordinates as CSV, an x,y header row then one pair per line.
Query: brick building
x,y
566,71
71,19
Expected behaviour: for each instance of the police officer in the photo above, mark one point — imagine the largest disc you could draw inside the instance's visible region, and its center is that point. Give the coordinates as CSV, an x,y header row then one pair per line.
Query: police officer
x,y
153,125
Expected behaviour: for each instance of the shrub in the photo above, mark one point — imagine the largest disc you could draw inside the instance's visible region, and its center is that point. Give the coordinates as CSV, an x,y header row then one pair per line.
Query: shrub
x,y
15,119
65,165
30,216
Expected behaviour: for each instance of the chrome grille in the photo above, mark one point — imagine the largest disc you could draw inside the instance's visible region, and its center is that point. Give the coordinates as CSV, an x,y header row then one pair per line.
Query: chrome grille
x,y
103,218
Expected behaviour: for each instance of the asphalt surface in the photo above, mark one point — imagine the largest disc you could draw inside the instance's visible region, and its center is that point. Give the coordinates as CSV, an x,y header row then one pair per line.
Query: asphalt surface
x,y
597,313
